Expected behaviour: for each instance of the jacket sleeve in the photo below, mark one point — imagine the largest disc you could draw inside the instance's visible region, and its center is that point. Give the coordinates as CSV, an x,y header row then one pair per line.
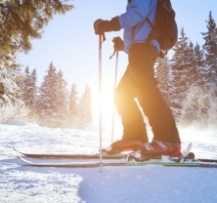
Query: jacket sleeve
x,y
137,11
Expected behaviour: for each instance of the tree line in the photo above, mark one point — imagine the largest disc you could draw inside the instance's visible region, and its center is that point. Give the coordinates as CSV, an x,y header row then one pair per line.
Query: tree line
x,y
51,104
188,81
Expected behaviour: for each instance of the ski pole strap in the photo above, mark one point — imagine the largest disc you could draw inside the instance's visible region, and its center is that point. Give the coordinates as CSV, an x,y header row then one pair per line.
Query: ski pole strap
x,y
110,57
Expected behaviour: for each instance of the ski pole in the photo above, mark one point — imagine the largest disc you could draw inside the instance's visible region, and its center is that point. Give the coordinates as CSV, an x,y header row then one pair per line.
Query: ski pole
x,y
113,110
101,39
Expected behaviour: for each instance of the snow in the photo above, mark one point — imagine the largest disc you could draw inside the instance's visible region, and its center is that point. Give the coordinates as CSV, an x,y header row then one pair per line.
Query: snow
x,y
150,184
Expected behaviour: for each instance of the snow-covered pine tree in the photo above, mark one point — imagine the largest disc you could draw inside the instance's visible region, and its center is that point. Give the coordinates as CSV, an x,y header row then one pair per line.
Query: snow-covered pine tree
x,y
163,75
199,61
85,109
21,21
33,90
62,98
180,66
195,104
11,107
73,101
189,102
25,86
46,104
29,91
52,104
73,107
210,48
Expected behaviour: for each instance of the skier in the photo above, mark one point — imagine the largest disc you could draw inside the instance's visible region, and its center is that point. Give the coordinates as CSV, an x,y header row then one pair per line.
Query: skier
x,y
137,92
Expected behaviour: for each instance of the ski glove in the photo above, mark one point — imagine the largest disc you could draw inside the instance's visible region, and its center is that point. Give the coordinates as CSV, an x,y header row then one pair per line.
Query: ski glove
x,y
101,26
118,44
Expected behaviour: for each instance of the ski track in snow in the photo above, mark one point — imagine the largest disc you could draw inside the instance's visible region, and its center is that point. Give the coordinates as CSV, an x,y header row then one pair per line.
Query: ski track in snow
x,y
148,184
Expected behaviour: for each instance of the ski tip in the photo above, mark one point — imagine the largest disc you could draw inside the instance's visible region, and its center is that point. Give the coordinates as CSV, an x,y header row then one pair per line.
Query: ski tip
x,y
15,150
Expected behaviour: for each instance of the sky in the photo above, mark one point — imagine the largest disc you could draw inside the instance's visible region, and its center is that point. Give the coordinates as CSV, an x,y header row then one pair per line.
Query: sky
x,y
69,42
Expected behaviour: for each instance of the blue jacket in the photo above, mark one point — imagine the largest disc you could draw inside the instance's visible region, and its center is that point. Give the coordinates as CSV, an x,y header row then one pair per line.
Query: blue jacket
x,y
136,28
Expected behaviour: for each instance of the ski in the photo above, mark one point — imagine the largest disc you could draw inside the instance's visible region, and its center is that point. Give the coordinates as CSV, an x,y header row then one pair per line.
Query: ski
x,y
186,152
95,164
83,156
70,156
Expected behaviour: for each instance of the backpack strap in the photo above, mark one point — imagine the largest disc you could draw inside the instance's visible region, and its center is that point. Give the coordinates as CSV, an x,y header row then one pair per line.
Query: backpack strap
x,y
153,35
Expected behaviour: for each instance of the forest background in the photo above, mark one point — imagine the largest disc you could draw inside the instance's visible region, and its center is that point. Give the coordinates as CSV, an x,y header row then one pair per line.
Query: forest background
x,y
187,79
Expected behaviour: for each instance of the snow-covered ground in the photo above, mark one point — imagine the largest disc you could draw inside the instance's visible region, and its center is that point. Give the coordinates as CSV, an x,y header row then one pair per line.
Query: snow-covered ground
x,y
148,184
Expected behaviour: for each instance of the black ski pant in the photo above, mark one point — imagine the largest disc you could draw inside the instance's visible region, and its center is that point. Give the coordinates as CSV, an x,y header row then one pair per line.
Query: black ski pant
x,y
137,94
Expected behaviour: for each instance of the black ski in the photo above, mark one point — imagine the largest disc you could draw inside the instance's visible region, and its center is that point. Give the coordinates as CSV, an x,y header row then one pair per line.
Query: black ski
x,y
70,156
94,164
186,152
84,156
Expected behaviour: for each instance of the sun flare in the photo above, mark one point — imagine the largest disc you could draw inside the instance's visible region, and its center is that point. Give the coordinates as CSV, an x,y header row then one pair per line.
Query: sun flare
x,y
104,103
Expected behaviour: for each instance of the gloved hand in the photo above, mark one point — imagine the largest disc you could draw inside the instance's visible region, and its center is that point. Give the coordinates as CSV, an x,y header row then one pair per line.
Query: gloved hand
x,y
101,26
118,44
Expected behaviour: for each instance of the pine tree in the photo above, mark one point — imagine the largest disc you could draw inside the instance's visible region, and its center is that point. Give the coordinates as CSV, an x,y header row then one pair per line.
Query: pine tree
x,y
25,86
210,48
32,95
62,96
29,91
163,75
21,21
24,20
9,91
187,80
11,107
210,38
73,101
191,68
46,104
73,107
85,109
180,65
200,66
34,89
52,105
198,94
